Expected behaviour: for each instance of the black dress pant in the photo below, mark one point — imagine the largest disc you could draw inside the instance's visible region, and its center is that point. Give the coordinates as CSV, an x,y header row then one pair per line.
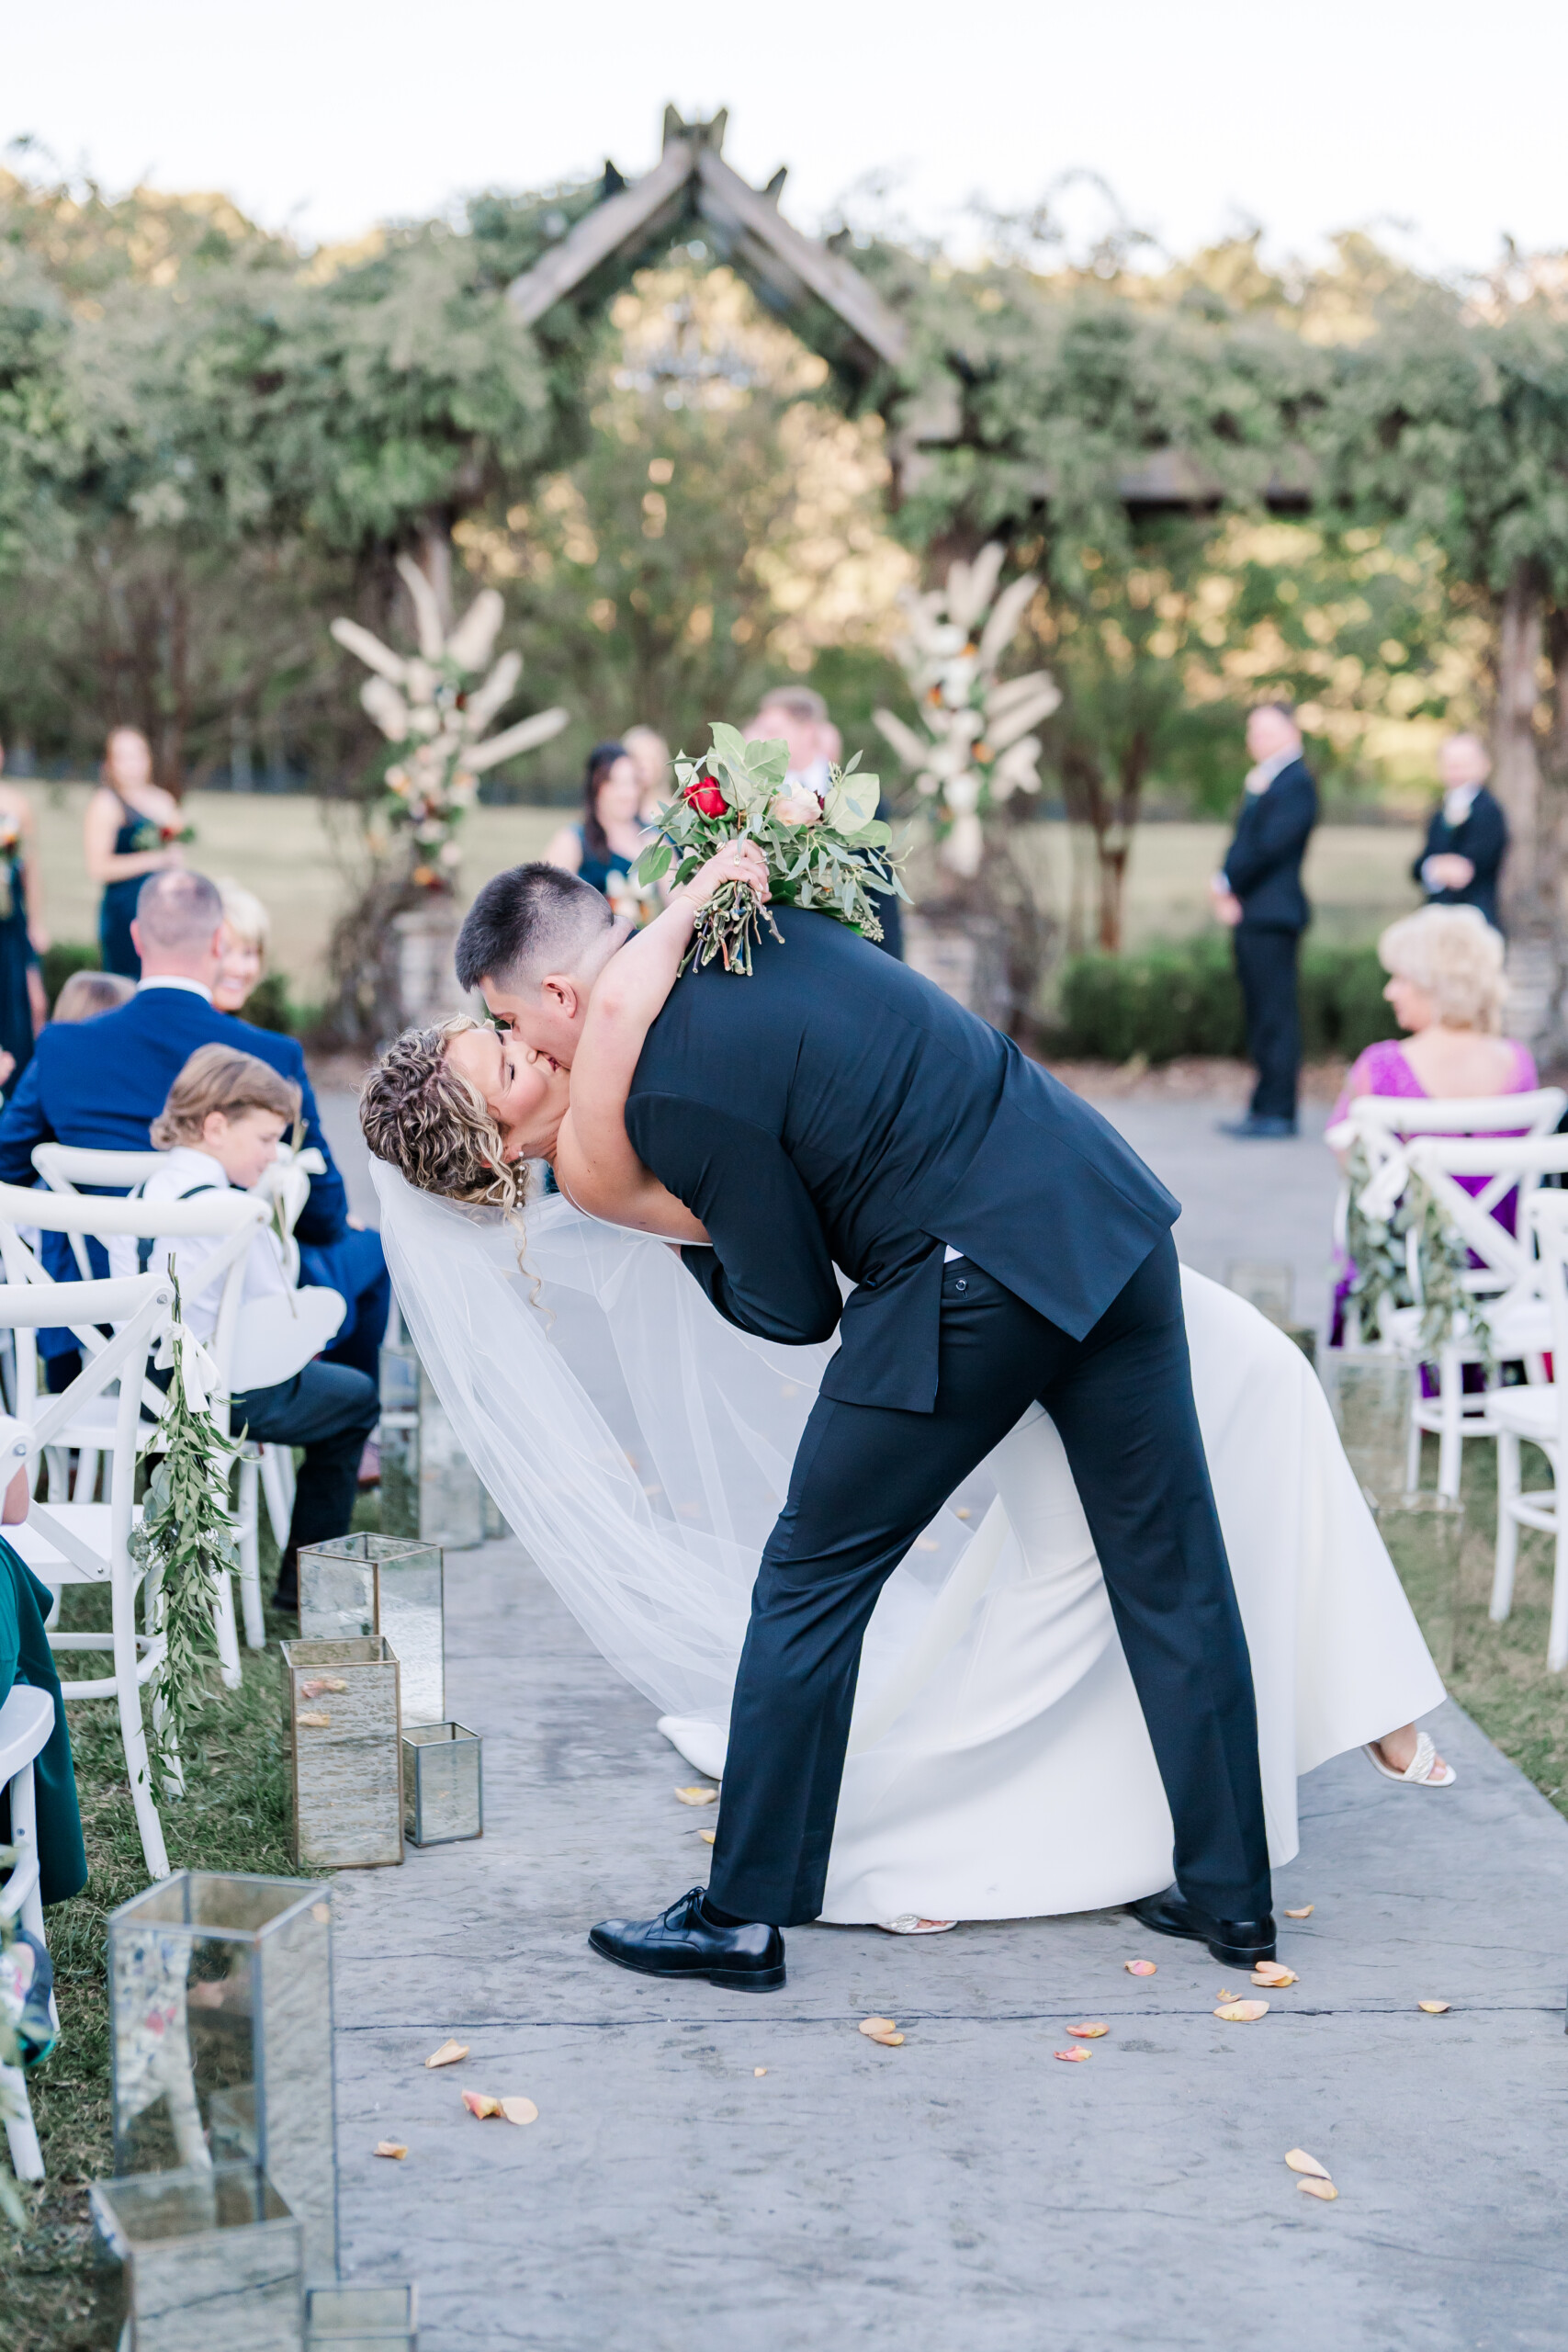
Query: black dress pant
x,y
330,1412
1265,967
867,1480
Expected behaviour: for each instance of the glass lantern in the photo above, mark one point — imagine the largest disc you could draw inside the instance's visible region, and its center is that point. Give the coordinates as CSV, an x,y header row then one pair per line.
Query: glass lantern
x,y
220,1995
354,1586
208,2255
443,1785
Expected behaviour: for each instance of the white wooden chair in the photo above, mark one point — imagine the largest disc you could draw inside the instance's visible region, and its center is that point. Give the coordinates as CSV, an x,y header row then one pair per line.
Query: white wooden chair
x,y
68,1168
1505,1285
26,1720
80,1542
1540,1415
1385,1124
231,1220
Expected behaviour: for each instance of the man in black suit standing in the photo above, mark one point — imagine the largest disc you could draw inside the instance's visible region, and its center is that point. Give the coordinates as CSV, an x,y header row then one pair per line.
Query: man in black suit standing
x,y
1259,894
1468,837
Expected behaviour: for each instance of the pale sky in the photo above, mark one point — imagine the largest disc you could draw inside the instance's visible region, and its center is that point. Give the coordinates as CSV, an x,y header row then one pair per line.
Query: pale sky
x,y
329,115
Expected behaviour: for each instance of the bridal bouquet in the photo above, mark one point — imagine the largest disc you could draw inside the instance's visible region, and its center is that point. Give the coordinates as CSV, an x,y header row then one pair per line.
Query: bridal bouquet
x,y
827,851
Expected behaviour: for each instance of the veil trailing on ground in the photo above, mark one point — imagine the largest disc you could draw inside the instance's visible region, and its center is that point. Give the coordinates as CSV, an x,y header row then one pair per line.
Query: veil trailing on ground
x,y
638,1445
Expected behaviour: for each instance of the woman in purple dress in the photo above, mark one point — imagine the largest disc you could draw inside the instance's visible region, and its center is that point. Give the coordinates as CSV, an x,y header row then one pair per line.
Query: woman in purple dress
x,y
1445,969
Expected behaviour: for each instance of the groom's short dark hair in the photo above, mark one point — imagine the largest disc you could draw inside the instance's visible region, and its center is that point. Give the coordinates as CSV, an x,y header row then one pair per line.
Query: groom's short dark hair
x,y
528,922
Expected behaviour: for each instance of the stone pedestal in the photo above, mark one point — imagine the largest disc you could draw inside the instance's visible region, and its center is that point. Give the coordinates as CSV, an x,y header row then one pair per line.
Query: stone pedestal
x,y
427,985
965,954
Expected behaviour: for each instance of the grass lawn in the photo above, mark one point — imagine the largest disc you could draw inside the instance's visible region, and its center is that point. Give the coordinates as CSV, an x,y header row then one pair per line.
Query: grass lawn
x,y
235,1817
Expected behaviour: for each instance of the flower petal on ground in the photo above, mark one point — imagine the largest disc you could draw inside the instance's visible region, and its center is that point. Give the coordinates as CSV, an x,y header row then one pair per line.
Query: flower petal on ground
x,y
1139,1967
1305,1913
1269,1971
519,2110
390,2148
1324,2189
707,1836
1299,2161
480,2103
697,1796
758,2072
1433,2008
1089,2033
872,2026
448,2053
1242,2012
1069,2057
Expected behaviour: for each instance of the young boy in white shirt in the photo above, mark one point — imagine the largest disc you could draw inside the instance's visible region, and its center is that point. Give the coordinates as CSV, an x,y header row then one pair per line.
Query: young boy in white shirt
x,y
225,1116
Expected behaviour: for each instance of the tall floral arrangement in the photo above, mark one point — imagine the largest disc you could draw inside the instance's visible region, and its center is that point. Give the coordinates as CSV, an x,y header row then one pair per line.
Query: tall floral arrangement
x,y
978,749
434,716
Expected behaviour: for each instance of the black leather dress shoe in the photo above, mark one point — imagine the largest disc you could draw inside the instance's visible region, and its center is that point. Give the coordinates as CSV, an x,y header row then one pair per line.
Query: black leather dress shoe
x,y
1244,1942
683,1941
1257,1127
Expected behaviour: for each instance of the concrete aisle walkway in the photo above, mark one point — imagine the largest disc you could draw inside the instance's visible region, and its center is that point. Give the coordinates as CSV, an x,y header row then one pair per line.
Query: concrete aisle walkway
x,y
965,2193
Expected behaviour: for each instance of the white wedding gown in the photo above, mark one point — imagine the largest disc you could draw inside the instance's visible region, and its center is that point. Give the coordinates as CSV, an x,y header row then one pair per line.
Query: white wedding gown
x,y
999,1766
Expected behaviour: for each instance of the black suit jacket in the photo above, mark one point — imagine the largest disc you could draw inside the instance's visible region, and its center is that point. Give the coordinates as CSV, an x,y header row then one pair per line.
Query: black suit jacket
x,y
1483,838
838,1110
1263,865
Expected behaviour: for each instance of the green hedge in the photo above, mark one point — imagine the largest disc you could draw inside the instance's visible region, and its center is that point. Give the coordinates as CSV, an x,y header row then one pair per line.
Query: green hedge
x,y
1184,1000
66,955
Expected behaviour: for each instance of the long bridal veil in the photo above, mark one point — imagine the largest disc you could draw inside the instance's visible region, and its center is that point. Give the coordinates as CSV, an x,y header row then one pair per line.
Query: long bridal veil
x,y
999,1766
637,1444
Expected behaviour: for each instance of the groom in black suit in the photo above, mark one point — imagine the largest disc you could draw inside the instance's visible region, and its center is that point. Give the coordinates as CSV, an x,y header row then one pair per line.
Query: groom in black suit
x,y
1004,1244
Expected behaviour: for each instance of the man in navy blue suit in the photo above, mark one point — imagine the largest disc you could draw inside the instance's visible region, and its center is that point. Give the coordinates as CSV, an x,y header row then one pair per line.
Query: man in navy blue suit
x,y
99,1084
1259,894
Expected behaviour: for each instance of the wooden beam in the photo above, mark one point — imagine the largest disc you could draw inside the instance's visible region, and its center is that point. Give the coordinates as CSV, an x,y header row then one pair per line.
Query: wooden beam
x,y
633,219
795,265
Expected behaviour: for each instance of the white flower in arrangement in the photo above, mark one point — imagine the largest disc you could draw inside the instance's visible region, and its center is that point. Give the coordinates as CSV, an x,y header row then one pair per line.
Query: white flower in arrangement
x,y
424,704
978,747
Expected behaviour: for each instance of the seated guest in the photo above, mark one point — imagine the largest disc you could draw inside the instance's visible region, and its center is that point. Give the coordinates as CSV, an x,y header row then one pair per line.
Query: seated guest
x,y
99,1084
247,934
1468,837
87,994
26,1657
353,1265
225,1116
1445,969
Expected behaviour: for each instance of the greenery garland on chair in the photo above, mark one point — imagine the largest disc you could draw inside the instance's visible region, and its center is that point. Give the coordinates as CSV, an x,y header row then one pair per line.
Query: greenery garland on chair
x,y
185,1540
11,2108
1379,1251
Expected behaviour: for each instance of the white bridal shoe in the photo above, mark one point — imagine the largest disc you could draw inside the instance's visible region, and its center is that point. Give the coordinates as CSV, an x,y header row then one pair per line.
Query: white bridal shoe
x,y
1420,1767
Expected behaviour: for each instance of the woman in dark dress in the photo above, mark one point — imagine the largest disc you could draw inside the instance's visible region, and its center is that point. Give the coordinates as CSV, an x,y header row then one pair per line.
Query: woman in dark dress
x,y
22,935
606,846
132,829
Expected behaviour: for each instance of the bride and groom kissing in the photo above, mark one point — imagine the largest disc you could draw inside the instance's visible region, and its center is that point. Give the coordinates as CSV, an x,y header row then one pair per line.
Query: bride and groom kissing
x,y
1003,1251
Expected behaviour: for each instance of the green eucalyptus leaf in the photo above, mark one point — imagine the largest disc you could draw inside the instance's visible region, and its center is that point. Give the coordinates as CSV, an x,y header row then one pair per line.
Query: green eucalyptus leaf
x,y
654,862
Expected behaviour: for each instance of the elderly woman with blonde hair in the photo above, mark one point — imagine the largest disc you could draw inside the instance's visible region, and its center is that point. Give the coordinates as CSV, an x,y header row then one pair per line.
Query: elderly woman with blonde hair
x,y
1445,988
247,934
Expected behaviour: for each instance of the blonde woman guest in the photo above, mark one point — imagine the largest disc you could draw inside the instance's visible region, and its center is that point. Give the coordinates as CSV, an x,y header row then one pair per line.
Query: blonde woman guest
x,y
129,831
23,938
247,934
649,754
1445,988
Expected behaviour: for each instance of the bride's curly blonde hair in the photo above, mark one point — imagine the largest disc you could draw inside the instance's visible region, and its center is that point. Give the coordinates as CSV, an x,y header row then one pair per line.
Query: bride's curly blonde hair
x,y
433,1125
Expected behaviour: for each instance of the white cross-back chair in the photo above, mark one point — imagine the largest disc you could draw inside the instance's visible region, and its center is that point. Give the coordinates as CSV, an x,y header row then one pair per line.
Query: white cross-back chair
x,y
228,1218
26,1720
1505,1285
1540,1415
65,1167
1385,1124
74,1542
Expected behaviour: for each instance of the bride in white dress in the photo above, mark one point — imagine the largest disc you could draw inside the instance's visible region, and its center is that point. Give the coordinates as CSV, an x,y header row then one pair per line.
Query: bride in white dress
x,y
999,1766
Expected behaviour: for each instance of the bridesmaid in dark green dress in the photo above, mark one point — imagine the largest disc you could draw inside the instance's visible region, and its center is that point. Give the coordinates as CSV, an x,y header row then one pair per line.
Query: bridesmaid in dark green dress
x,y
132,829
21,936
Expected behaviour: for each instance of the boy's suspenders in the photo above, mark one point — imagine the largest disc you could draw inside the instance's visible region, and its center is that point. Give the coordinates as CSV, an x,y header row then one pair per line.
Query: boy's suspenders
x,y
145,1241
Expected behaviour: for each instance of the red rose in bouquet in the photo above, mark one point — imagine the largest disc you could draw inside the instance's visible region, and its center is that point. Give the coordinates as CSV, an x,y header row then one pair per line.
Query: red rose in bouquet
x,y
706,797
